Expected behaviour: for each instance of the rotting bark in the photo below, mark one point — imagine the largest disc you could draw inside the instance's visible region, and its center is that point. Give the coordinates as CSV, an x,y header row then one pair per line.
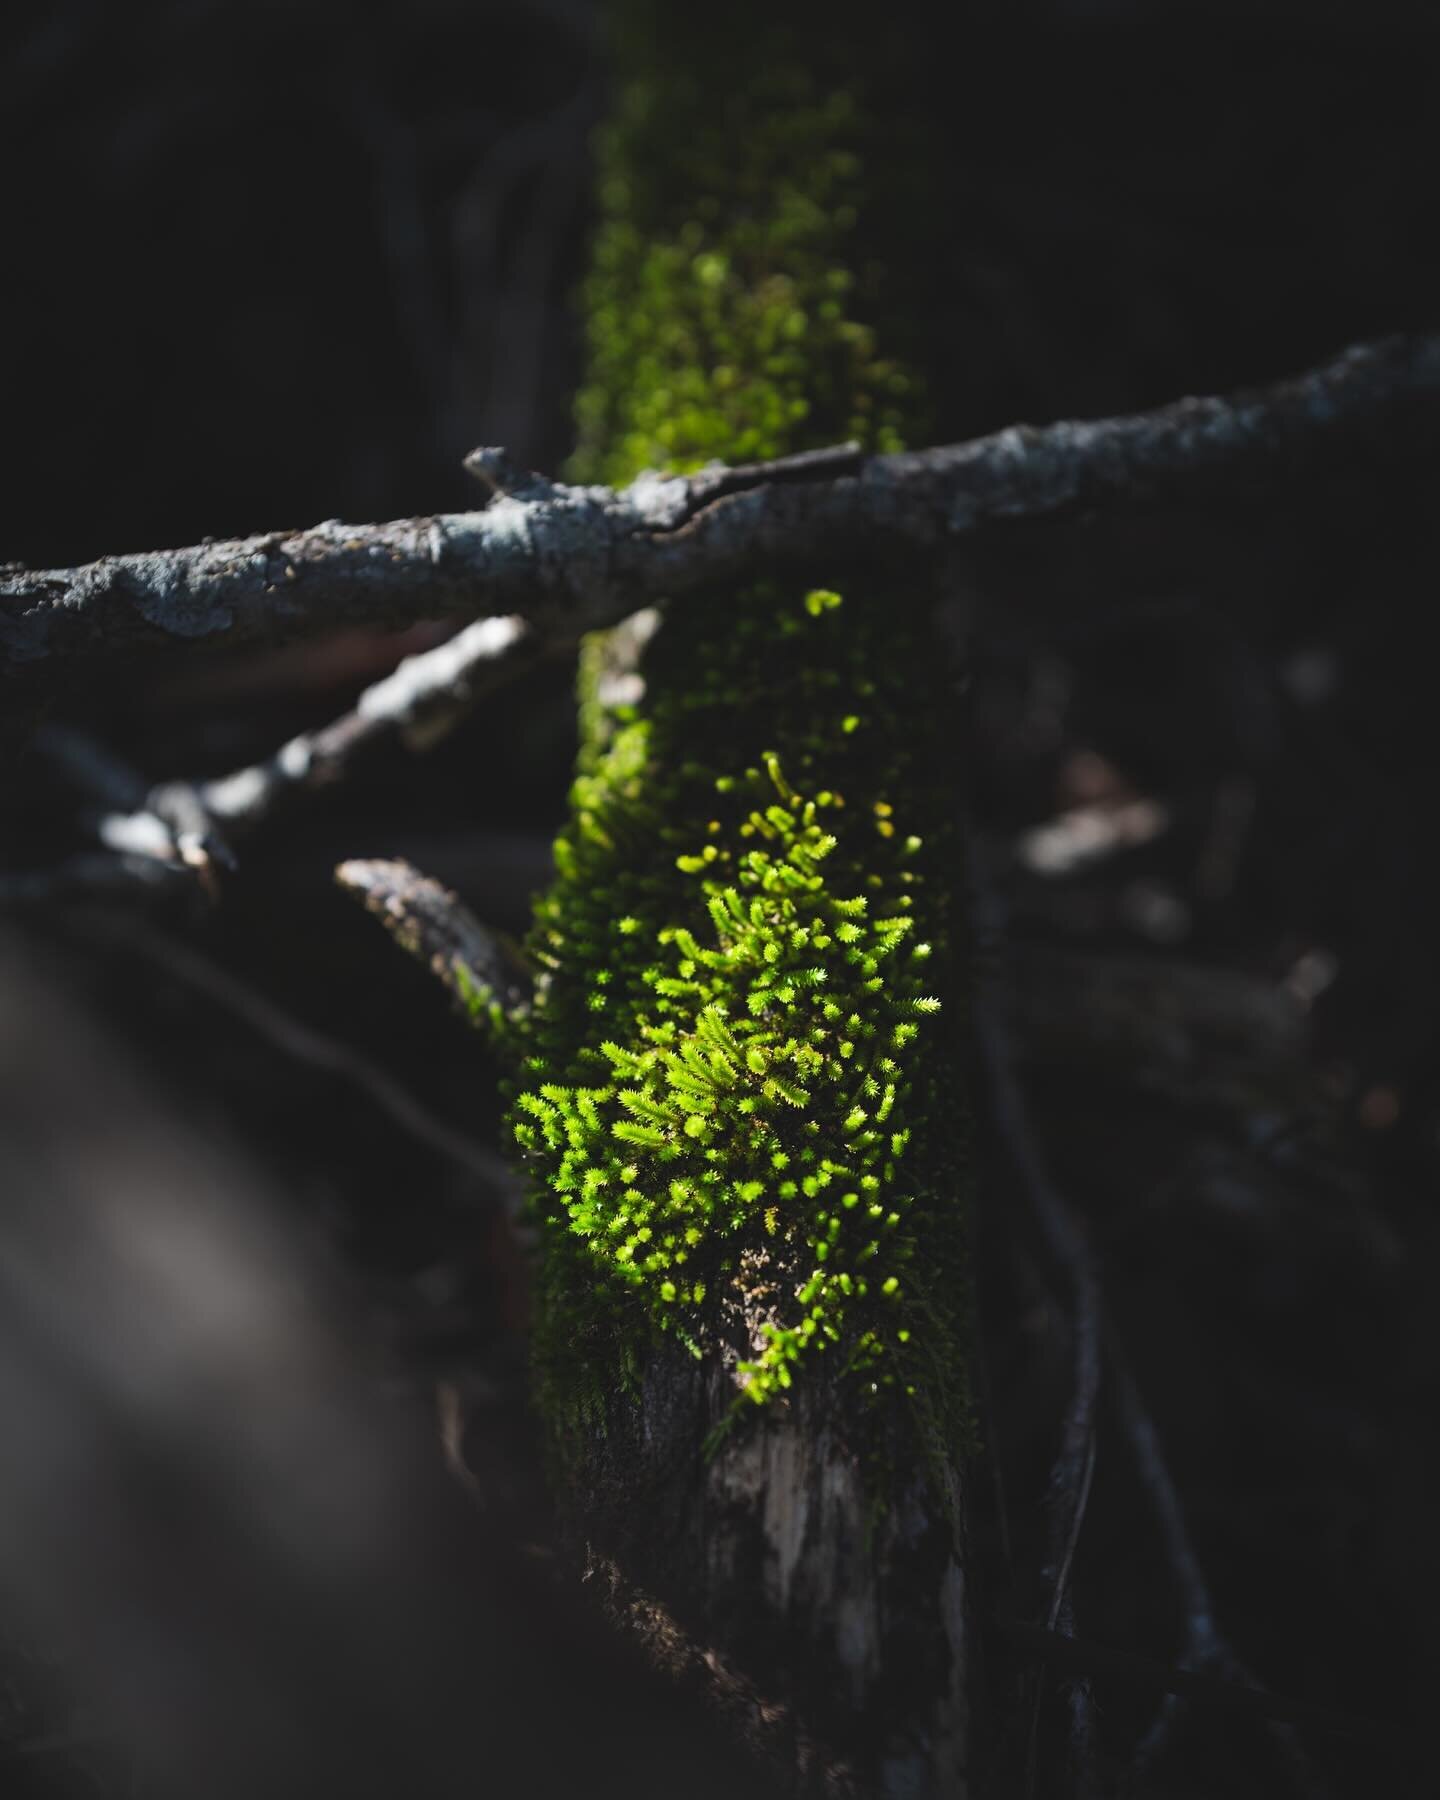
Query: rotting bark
x,y
790,1545
836,1642
834,1637
815,1595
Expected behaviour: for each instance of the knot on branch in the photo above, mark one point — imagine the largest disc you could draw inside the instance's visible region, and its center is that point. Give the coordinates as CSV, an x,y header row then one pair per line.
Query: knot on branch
x,y
498,472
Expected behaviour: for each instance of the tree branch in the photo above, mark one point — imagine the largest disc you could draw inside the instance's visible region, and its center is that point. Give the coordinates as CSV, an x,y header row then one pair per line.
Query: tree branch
x,y
577,558
422,699
1067,1247
433,925
1081,1657
149,833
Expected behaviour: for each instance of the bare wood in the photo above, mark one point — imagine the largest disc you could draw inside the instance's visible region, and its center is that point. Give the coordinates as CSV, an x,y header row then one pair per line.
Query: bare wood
x,y
573,559
780,1579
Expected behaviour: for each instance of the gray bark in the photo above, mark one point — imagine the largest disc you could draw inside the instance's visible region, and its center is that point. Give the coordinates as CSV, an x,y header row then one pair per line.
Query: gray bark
x,y
429,922
572,559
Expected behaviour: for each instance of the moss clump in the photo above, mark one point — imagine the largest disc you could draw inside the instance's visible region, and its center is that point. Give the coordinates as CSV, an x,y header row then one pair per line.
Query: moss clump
x,y
740,259
738,1104
752,1120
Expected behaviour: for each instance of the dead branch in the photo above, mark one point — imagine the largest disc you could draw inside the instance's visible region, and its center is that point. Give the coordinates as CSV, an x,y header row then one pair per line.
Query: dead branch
x,y
1067,1247
1084,1658
1074,1467
138,824
148,833
433,925
576,558
419,702
303,1044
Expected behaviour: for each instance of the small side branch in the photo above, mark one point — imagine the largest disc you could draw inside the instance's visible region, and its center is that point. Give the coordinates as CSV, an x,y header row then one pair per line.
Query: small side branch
x,y
136,823
429,922
1206,1651
151,833
577,558
1080,1657
419,702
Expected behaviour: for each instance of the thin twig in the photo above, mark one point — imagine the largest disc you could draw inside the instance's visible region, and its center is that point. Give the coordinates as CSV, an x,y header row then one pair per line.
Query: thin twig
x,y
1073,1473
574,558
151,831
166,824
419,702
1061,1651
1204,1646
306,1045
1072,1539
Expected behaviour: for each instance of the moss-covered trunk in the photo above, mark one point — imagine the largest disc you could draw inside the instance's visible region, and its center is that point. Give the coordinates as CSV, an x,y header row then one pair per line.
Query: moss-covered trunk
x,y
740,1100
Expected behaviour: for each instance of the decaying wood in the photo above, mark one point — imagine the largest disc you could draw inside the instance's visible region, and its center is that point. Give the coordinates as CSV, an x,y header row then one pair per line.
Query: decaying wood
x,y
781,1577
830,1632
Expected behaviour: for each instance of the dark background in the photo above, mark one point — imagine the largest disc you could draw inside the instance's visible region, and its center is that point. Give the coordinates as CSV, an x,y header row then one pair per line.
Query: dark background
x,y
269,263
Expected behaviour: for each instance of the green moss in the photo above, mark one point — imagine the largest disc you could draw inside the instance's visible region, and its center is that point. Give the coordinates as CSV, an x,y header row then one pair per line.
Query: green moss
x,y
736,331
745,250
738,1102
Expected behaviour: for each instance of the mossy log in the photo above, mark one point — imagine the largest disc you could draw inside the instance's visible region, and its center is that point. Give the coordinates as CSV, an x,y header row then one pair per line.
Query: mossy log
x,y
738,1091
